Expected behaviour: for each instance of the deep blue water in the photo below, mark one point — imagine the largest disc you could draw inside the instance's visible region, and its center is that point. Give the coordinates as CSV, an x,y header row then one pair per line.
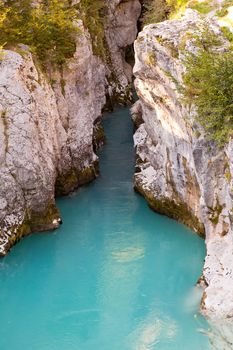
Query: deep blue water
x,y
115,276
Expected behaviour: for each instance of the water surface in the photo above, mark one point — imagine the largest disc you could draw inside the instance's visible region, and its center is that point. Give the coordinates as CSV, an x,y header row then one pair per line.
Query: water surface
x,y
115,276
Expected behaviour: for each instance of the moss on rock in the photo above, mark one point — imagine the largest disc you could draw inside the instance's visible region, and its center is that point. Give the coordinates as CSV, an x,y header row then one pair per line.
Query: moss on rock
x,y
72,179
88,174
45,220
174,209
214,213
66,183
98,135
42,220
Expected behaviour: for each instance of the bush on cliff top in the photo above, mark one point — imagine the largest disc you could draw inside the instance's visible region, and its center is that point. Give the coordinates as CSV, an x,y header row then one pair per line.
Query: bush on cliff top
x,y
155,11
160,10
93,14
47,28
208,83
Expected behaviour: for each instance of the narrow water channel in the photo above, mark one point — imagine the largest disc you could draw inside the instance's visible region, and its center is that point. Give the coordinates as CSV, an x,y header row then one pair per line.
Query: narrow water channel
x,y
115,276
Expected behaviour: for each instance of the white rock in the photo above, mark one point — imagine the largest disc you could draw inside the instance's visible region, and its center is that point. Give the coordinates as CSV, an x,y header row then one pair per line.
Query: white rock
x,y
176,166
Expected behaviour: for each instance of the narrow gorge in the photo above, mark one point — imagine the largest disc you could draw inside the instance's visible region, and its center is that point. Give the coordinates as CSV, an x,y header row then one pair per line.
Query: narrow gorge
x,y
111,248
51,118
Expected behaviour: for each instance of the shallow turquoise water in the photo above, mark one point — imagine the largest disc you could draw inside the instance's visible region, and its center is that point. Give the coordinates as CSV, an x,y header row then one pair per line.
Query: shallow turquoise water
x,y
115,276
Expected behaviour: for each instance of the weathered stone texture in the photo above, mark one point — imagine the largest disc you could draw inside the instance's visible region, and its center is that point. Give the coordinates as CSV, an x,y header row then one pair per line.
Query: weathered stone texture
x,y
178,170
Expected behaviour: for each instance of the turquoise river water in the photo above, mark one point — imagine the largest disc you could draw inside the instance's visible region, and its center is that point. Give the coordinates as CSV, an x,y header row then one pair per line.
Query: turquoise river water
x,y
115,276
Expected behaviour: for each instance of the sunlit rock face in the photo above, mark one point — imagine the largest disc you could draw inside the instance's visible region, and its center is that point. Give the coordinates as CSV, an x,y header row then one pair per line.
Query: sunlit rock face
x,y
47,122
178,170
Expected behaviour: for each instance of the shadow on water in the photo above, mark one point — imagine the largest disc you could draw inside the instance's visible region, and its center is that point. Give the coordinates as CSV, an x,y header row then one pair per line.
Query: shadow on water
x,y
114,276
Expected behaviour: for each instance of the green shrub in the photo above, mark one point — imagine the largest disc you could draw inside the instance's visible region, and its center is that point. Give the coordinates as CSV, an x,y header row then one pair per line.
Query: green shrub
x,y
48,28
203,7
155,11
228,35
54,31
208,83
175,5
222,12
93,15
2,55
159,10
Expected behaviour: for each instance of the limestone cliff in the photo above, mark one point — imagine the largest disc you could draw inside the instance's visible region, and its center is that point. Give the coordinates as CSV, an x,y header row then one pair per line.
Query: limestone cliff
x,y
47,120
120,33
180,172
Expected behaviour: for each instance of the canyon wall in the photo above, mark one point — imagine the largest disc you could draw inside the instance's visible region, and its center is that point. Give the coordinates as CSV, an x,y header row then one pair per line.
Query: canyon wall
x,y
49,121
178,170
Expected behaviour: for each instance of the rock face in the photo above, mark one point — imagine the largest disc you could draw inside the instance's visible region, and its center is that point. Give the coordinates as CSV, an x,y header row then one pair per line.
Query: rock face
x,y
121,31
180,172
47,121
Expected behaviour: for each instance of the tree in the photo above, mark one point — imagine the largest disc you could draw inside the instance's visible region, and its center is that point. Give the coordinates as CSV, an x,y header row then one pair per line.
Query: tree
x,y
48,28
